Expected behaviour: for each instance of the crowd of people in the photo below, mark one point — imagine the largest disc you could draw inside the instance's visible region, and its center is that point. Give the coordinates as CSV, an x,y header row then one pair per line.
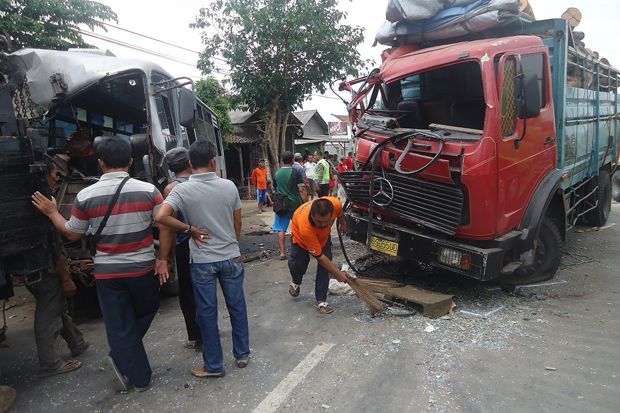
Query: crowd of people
x,y
199,222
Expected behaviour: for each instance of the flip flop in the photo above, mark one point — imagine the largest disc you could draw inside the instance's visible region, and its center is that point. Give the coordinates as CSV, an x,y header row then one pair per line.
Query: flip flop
x,y
65,366
324,308
119,383
293,290
242,363
201,372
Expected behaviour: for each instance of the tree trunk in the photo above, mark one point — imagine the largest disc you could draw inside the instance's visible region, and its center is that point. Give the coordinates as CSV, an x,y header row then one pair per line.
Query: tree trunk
x,y
283,131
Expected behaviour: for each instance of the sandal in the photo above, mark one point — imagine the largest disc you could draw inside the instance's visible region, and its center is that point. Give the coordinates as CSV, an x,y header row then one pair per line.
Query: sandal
x,y
242,363
119,382
65,366
293,289
203,373
324,308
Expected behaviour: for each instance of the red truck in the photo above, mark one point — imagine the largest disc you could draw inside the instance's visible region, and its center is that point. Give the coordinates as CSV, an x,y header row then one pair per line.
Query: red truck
x,y
478,156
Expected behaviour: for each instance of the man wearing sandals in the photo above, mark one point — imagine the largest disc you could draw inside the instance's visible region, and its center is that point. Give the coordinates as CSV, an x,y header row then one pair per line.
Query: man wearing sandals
x,y
212,210
51,317
127,287
312,223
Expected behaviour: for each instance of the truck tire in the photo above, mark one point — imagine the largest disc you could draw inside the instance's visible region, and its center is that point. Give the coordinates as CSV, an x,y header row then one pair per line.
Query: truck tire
x,y
546,260
615,186
598,216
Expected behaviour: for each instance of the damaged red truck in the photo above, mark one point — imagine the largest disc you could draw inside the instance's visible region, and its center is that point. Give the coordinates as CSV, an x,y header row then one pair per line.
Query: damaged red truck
x,y
477,157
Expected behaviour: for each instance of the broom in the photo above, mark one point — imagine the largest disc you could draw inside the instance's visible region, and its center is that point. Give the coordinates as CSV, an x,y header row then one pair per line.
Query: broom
x,y
365,289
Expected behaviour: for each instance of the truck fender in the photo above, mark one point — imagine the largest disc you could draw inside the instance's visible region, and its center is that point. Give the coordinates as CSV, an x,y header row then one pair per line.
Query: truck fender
x,y
539,205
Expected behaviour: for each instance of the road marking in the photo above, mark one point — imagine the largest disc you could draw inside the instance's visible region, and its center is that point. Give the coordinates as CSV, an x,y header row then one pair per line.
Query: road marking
x,y
273,401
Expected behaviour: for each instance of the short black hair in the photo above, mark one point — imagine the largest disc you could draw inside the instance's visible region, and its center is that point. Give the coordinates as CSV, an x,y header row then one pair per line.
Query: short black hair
x,y
350,153
322,207
179,167
287,157
114,151
201,153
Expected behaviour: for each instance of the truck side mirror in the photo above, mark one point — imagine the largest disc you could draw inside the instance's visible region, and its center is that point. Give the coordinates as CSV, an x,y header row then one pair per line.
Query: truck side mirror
x,y
529,99
187,107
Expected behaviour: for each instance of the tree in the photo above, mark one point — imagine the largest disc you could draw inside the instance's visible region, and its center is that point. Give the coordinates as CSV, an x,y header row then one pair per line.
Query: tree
x,y
211,92
51,24
279,52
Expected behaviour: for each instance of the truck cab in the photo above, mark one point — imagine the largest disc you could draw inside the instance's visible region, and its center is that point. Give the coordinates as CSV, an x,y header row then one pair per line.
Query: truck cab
x,y
465,162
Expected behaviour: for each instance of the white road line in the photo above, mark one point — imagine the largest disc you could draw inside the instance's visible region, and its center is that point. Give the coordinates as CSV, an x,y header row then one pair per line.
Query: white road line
x,y
271,403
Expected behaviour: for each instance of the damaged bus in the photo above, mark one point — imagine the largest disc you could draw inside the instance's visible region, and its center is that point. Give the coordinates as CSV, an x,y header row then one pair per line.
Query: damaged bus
x,y
62,102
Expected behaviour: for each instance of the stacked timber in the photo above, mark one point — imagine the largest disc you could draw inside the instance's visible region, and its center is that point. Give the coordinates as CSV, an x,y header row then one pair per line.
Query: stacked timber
x,y
581,65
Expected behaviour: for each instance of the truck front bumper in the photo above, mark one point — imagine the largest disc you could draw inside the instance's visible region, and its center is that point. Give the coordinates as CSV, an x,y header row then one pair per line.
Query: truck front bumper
x,y
482,263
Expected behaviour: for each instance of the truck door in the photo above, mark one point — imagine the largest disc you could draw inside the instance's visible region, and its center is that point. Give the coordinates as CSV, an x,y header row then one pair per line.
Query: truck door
x,y
526,147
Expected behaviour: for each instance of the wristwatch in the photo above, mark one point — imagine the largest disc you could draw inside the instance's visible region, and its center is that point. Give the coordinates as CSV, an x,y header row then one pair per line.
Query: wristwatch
x,y
189,228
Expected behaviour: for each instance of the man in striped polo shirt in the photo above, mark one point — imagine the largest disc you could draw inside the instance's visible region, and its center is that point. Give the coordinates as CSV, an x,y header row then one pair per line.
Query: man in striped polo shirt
x,y
127,287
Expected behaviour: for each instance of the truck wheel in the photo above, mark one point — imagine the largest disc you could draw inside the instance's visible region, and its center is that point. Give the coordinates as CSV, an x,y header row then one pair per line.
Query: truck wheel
x,y
598,216
546,260
615,186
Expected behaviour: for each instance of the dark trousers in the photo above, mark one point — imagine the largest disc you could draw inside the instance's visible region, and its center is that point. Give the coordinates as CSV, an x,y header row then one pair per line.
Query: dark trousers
x,y
52,319
128,306
322,190
298,261
186,291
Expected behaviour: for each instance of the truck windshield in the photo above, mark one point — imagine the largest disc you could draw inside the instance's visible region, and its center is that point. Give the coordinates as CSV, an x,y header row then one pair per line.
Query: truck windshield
x,y
448,96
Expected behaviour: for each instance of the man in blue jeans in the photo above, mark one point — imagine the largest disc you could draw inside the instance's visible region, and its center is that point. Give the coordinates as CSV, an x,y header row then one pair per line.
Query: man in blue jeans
x,y
212,210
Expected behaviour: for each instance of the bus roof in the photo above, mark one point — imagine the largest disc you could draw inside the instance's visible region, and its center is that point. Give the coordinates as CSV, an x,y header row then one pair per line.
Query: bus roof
x,y
79,69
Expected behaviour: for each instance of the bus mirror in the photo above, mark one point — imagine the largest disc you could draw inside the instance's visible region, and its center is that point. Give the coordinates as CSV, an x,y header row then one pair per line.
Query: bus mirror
x,y
187,107
530,99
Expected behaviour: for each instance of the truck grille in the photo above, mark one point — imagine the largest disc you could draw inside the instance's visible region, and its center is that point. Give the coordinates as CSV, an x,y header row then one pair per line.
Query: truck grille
x,y
433,205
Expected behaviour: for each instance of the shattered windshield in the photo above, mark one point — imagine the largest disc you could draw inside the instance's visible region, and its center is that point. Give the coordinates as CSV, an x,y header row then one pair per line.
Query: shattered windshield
x,y
451,96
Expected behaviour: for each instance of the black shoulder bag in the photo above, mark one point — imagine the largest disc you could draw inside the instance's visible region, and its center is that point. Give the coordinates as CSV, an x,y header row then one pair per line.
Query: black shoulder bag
x,y
93,239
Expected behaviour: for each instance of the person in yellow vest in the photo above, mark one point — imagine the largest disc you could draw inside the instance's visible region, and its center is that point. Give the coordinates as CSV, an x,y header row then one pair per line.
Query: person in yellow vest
x,y
322,175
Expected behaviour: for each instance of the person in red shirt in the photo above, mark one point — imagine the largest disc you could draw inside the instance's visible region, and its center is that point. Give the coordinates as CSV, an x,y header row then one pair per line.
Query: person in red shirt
x,y
259,180
311,228
341,168
349,162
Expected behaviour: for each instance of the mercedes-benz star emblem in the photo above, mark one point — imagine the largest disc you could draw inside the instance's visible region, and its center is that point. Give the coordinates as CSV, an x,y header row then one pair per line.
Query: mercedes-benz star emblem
x,y
383,192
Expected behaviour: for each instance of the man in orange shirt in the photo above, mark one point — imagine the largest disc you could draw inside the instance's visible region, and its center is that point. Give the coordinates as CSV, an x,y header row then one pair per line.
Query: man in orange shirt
x,y
259,179
311,227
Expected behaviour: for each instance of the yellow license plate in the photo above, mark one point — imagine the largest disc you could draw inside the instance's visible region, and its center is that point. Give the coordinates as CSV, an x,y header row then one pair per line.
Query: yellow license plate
x,y
384,246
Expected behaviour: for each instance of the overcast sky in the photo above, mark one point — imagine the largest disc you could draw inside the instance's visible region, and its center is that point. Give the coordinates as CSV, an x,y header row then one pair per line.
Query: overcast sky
x,y
169,21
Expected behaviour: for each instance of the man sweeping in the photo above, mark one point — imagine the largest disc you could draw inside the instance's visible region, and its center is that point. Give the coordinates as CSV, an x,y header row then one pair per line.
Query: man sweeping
x,y
311,226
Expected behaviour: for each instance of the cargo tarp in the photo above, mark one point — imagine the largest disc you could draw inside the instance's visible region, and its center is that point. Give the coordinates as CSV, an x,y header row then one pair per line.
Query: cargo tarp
x,y
448,23
407,10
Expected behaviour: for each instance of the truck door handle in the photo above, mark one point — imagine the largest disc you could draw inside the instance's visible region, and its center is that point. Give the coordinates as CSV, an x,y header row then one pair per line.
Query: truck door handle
x,y
549,141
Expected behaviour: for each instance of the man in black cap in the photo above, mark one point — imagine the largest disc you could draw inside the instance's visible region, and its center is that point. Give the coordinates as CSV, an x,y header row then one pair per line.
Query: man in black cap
x,y
178,162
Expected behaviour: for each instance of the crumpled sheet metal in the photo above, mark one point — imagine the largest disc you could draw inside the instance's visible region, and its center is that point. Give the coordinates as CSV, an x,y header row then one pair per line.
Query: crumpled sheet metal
x,y
78,69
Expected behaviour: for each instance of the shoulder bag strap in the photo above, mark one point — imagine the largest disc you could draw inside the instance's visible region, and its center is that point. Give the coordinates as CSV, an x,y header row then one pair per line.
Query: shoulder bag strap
x,y
117,194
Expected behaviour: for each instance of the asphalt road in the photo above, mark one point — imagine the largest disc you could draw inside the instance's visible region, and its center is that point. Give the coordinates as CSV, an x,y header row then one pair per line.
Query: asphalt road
x,y
550,348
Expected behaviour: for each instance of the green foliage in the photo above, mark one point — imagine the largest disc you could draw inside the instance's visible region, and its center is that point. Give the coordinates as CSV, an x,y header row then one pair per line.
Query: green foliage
x,y
211,92
51,24
286,48
279,53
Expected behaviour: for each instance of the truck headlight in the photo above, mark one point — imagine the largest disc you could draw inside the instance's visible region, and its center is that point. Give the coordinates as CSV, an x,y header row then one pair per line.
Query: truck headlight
x,y
454,258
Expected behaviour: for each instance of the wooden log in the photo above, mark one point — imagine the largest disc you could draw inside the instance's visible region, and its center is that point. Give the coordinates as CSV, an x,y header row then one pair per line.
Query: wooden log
x,y
434,305
573,16
526,8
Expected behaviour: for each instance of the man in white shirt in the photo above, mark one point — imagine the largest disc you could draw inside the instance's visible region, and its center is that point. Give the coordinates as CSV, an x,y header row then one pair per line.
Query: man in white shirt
x,y
309,167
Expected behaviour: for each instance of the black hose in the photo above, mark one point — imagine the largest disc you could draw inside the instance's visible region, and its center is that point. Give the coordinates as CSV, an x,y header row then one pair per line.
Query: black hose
x,y
344,251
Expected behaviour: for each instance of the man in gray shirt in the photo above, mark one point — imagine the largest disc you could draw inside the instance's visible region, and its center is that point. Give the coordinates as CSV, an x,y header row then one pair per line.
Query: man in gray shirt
x,y
212,210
